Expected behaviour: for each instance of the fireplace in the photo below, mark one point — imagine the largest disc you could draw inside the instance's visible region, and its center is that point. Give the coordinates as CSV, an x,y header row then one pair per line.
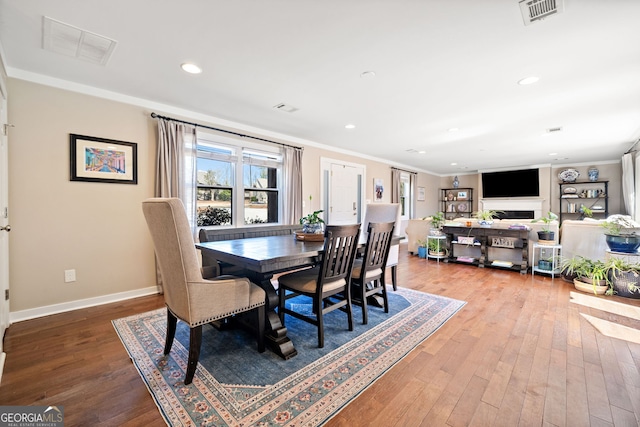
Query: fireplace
x,y
520,208
506,214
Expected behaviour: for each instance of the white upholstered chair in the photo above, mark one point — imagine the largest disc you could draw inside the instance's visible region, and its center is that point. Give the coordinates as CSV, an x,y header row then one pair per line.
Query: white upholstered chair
x,y
386,212
189,297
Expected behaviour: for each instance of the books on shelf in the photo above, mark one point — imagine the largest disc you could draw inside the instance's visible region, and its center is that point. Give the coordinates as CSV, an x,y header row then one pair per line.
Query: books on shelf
x,y
519,227
465,259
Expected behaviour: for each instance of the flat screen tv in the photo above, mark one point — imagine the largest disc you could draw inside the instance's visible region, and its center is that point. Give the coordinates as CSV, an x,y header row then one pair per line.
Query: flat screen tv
x,y
515,183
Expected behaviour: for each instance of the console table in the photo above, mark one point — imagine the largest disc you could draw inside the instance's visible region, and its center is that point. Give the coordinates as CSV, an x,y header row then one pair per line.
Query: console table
x,y
488,247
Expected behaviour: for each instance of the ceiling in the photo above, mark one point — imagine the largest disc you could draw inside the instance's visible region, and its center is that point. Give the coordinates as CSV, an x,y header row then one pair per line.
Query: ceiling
x,y
438,64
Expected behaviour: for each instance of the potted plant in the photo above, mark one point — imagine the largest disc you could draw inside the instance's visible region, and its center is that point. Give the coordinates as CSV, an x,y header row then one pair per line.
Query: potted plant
x,y
422,248
437,220
620,234
546,236
436,247
591,276
485,217
585,212
312,223
569,267
624,277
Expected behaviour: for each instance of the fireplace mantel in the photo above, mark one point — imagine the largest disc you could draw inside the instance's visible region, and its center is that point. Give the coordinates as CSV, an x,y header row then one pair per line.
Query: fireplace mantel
x,y
512,204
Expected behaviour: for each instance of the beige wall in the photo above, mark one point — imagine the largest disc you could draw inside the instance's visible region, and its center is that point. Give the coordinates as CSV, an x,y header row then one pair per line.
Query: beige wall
x,y
95,228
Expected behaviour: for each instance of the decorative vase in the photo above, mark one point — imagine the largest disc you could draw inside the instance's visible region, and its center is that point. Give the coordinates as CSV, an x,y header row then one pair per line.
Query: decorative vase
x,y
626,243
485,222
593,174
456,183
590,287
422,252
626,284
546,237
544,264
317,228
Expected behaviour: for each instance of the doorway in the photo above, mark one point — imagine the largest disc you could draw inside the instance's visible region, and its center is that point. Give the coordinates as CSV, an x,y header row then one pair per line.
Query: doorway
x,y
342,191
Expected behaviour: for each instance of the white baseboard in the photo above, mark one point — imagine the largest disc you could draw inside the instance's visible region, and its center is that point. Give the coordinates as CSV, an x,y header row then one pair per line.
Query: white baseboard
x,y
3,356
47,310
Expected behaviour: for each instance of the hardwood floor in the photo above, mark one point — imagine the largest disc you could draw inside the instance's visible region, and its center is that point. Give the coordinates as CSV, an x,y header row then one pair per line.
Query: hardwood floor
x,y
519,353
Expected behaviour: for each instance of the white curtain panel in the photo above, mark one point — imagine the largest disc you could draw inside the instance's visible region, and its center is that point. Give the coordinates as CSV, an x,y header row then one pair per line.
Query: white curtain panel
x,y
176,165
628,184
292,198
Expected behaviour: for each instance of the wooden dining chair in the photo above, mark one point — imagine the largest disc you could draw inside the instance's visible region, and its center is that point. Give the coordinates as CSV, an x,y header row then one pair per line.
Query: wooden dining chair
x,y
367,277
327,283
188,296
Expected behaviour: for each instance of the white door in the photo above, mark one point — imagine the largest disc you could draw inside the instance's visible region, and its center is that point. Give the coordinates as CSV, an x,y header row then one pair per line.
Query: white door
x,y
344,194
4,219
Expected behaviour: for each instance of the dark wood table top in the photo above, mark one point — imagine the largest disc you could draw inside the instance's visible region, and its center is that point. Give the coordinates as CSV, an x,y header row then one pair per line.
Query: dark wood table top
x,y
265,254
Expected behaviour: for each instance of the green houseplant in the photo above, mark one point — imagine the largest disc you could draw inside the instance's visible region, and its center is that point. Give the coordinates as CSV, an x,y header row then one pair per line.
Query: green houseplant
x,y
590,275
437,220
436,247
485,217
312,223
546,235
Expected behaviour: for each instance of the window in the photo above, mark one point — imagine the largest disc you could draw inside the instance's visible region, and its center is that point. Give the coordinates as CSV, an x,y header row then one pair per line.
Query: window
x,y
237,185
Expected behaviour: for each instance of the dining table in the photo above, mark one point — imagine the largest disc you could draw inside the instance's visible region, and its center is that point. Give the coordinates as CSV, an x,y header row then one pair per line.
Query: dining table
x,y
261,258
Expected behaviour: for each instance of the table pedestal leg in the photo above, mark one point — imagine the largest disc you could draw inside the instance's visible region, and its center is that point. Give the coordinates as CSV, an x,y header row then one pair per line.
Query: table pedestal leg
x,y
275,332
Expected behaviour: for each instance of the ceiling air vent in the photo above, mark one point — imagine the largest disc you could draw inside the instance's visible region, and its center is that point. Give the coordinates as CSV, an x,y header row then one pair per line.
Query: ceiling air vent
x,y
68,40
537,10
284,107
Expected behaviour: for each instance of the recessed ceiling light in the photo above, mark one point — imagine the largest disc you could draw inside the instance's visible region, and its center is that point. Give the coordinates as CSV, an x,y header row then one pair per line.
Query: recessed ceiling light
x,y
350,126
368,74
421,152
528,80
191,68
453,129
553,154
453,164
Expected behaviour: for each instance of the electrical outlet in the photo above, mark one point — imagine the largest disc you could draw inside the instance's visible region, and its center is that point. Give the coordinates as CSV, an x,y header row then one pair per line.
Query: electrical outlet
x,y
69,276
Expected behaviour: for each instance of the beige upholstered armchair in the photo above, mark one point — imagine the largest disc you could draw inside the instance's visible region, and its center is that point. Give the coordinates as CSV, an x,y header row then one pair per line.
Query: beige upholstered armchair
x,y
188,296
386,212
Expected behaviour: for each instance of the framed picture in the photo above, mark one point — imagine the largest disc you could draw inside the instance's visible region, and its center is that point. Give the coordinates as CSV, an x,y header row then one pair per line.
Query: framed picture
x,y
421,196
103,160
462,195
378,189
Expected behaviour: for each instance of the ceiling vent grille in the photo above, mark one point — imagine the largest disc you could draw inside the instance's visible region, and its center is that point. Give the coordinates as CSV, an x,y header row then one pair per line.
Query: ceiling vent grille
x,y
68,40
537,10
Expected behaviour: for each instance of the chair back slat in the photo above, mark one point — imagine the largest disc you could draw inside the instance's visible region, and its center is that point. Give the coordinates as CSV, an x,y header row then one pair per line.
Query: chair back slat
x,y
340,245
378,243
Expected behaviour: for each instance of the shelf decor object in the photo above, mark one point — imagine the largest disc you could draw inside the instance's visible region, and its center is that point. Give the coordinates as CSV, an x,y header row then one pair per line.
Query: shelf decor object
x,y
569,175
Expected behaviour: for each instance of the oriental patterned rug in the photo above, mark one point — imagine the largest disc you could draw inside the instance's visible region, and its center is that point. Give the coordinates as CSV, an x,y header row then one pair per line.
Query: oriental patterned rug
x,y
235,385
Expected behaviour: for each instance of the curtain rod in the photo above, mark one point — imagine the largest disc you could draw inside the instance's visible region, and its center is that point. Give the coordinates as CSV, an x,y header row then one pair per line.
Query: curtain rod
x,y
403,170
157,116
630,150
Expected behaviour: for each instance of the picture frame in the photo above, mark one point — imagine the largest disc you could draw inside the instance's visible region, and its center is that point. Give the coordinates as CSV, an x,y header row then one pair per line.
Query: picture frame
x,y
462,195
104,160
378,189
421,194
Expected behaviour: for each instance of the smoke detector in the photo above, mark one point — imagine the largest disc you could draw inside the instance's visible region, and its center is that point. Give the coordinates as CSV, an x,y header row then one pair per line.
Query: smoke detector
x,y
285,107
68,40
537,10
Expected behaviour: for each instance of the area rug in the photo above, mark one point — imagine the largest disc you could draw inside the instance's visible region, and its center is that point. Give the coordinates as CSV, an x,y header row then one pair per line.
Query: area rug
x,y
235,385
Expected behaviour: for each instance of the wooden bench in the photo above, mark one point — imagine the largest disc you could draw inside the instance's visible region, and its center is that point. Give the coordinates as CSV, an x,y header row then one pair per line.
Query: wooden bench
x,y
216,234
